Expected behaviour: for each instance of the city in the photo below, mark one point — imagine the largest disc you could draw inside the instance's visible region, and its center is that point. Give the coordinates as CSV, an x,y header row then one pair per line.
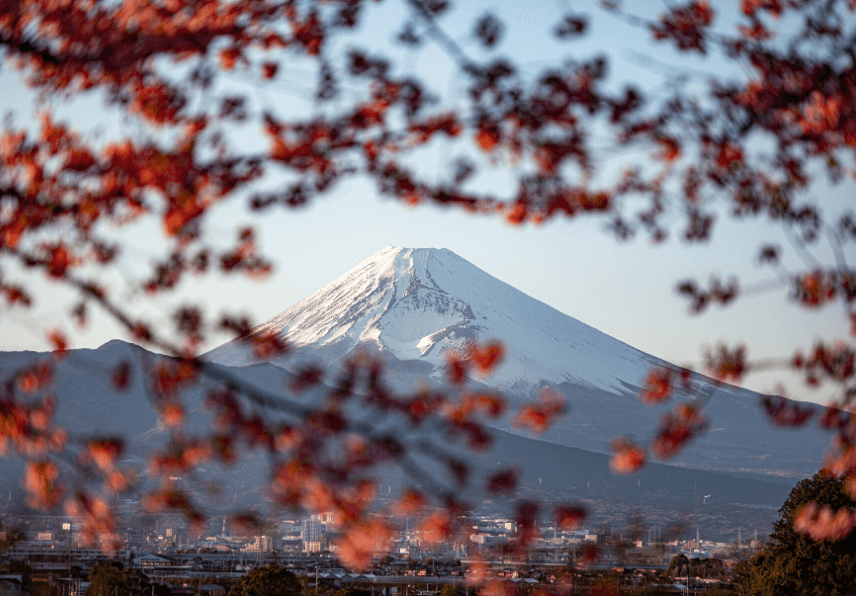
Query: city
x,y
557,560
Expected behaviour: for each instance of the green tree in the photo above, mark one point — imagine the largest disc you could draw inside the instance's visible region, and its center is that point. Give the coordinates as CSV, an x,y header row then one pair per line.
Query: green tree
x,y
107,579
111,579
10,537
681,566
678,566
794,563
273,580
19,567
450,590
353,592
43,589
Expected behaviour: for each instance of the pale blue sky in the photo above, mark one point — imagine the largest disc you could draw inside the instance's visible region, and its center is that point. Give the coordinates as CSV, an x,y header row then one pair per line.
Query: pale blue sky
x,y
623,289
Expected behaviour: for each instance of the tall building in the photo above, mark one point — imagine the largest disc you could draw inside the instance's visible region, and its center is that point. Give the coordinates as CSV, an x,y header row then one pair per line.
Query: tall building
x,y
311,529
259,544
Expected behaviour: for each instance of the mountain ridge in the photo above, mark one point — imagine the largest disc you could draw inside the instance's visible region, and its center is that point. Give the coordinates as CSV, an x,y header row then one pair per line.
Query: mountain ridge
x,y
413,305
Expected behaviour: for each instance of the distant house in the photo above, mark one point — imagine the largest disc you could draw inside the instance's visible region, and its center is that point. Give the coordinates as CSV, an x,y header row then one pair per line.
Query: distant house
x,y
11,585
151,562
212,590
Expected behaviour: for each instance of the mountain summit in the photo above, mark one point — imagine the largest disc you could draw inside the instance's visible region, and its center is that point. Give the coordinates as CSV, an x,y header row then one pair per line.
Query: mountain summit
x,y
415,304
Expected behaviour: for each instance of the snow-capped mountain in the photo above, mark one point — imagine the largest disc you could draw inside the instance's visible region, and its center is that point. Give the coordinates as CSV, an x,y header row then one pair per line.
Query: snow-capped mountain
x,y
413,305
416,304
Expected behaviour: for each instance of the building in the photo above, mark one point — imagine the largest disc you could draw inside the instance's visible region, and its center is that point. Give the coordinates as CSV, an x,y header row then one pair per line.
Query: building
x,y
312,530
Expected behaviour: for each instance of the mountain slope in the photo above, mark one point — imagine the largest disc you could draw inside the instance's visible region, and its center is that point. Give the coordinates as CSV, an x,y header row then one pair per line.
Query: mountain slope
x,y
549,472
414,305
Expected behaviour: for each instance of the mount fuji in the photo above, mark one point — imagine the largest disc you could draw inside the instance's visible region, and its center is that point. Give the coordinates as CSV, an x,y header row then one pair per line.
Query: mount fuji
x,y
415,305
412,306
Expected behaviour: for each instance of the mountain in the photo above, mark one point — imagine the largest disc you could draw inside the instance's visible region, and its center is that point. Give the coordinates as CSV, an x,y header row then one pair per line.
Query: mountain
x,y
719,504
414,305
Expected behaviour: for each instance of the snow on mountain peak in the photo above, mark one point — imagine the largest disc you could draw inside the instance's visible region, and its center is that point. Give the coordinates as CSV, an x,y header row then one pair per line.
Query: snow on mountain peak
x,y
417,303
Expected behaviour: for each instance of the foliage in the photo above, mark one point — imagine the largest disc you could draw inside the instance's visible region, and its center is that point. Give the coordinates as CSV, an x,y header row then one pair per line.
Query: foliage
x,y
796,563
160,65
25,571
12,536
43,589
273,580
353,592
681,566
111,579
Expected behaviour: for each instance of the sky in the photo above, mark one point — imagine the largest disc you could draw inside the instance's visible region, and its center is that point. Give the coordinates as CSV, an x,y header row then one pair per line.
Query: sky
x,y
625,289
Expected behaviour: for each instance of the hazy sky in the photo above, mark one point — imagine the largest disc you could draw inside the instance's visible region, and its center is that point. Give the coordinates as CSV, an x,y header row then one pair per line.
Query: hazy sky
x,y
623,289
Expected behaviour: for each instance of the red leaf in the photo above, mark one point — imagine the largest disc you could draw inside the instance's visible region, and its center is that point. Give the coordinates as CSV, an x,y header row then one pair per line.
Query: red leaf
x,y
504,481
460,471
409,503
824,524
457,369
436,528
658,386
488,138
677,428
784,412
487,358
627,456
569,517
59,262
307,377
538,416
59,342
269,70
41,480
121,376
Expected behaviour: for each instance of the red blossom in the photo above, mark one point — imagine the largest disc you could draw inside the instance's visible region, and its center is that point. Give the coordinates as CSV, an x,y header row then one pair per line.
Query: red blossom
x,y
627,456
526,516
435,528
677,428
823,523
104,452
841,459
459,470
488,138
121,376
59,262
487,357
727,365
361,541
658,386
538,416
686,25
60,189
35,378
569,517
306,377
268,345
504,481
41,481
269,70
670,149
784,412
98,522
409,503
59,341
